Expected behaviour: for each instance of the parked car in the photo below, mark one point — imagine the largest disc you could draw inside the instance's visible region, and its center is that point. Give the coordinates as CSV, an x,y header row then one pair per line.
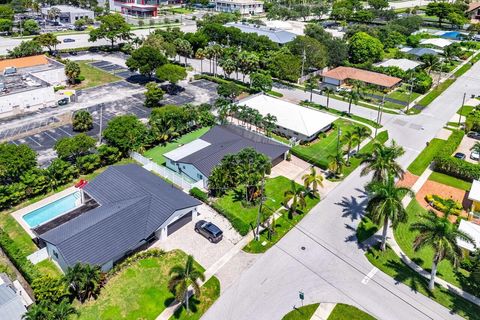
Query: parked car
x,y
68,40
474,135
209,231
73,53
63,102
460,155
475,155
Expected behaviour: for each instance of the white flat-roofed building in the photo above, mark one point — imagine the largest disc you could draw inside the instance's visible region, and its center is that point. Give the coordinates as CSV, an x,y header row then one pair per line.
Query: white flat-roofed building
x,y
244,7
437,42
471,229
69,14
276,35
301,123
404,64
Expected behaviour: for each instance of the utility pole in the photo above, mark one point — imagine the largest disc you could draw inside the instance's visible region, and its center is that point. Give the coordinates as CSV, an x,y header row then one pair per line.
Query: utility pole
x,y
410,94
379,114
303,62
259,215
101,124
461,109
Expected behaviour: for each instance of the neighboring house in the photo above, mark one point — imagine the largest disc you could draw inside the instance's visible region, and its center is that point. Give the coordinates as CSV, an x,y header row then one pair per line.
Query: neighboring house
x,y
473,230
420,52
341,75
11,303
197,158
474,195
69,14
275,34
27,84
294,121
436,42
473,12
403,64
244,7
135,207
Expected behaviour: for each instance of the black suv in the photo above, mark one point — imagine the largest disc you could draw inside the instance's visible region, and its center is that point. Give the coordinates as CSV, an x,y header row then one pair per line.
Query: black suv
x,y
460,156
209,231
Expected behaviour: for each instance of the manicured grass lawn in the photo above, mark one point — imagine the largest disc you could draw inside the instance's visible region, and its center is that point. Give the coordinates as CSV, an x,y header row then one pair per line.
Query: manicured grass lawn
x,y
432,95
403,95
210,292
138,292
465,110
231,204
423,257
93,76
320,150
467,66
302,313
422,161
156,154
391,105
391,264
450,181
366,228
345,311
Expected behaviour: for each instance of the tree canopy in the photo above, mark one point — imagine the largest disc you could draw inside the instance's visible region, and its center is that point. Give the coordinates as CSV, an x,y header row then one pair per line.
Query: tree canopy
x,y
146,60
126,133
363,48
14,161
171,72
113,27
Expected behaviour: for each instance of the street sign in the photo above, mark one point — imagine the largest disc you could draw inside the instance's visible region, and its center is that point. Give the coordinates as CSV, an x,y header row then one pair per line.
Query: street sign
x,y
301,295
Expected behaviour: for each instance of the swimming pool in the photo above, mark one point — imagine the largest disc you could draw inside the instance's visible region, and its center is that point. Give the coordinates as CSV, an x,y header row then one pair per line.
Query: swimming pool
x,y
452,35
52,210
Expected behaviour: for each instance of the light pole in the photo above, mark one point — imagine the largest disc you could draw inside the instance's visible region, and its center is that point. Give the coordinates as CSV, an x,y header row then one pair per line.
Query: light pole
x,y
461,109
101,124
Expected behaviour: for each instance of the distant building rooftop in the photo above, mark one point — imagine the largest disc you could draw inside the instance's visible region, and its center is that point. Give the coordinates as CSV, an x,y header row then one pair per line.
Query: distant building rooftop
x,y
438,42
345,73
24,62
419,52
471,229
11,305
64,8
276,35
20,82
404,64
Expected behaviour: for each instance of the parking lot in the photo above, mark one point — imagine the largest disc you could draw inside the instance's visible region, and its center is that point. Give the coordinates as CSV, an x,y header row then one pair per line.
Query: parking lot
x,y
7,133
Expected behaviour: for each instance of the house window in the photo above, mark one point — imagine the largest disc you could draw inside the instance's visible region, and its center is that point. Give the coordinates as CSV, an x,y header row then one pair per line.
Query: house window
x,y
55,254
199,176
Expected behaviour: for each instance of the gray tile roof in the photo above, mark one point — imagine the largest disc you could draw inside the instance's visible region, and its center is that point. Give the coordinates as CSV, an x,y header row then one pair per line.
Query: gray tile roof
x,y
231,139
133,204
422,51
11,306
276,35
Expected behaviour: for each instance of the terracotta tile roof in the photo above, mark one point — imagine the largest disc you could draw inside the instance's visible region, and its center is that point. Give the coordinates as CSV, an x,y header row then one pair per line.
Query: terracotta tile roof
x,y
23,62
379,79
472,6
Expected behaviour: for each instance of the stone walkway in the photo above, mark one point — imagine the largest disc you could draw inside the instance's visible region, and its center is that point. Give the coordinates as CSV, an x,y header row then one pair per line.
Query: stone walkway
x,y
323,311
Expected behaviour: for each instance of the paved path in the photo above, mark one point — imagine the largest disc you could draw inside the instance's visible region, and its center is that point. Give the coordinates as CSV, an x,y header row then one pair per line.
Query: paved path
x,y
323,311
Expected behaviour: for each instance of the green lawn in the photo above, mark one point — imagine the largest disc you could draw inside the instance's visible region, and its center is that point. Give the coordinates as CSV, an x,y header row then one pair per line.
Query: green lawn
x,y
423,257
366,228
391,105
320,150
467,66
156,154
138,292
403,95
432,95
391,264
210,292
450,181
231,204
345,311
93,76
422,161
465,111
302,313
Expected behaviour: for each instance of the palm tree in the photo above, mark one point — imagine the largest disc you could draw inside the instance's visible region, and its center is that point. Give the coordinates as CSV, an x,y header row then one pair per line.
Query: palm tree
x,y
297,198
381,161
361,132
442,236
385,204
476,148
182,277
83,280
200,54
328,91
352,97
38,311
63,310
429,61
228,66
269,123
82,121
336,164
349,138
311,84
312,180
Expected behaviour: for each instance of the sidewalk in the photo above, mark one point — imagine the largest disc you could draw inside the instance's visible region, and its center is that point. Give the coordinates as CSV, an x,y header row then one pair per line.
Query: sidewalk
x,y
323,311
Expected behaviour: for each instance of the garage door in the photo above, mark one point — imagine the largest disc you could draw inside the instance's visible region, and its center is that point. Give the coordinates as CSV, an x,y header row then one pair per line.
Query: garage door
x,y
177,224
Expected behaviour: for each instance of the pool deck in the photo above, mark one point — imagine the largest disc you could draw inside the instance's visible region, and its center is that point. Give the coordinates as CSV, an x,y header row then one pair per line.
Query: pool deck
x,y
17,215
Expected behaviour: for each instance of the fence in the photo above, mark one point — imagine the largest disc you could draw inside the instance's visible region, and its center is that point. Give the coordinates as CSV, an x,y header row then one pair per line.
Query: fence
x,y
181,181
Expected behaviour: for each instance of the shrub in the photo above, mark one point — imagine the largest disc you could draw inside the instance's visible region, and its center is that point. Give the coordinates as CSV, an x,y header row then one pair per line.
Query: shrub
x,y
236,222
18,257
457,168
199,194
451,144
89,163
448,206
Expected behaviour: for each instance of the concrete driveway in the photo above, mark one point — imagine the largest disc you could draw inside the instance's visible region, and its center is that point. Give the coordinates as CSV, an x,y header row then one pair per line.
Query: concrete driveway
x,y
206,253
465,146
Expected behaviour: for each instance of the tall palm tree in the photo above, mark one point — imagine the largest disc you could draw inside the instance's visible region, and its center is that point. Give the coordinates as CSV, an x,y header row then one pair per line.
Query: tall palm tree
x,y
352,96
381,161
297,198
442,236
200,54
361,132
83,280
228,66
349,138
182,277
336,164
429,61
476,148
311,84
269,123
385,204
312,180
328,91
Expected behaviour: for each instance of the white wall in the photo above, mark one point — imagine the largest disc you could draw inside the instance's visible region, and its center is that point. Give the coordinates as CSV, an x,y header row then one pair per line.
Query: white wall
x,y
161,232
331,81
17,103
54,76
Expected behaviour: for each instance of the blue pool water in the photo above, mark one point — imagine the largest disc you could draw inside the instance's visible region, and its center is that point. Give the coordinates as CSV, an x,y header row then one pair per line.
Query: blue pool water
x,y
452,35
52,210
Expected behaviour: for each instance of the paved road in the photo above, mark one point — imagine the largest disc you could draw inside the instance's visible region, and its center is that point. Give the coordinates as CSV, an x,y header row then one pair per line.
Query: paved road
x,y
332,268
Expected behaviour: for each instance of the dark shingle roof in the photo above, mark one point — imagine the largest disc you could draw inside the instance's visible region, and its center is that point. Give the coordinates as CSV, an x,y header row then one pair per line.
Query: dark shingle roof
x,y
133,204
231,139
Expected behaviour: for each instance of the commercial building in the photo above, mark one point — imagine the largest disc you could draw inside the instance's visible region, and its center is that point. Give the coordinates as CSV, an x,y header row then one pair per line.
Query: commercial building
x,y
26,84
198,158
403,64
294,121
244,7
341,75
69,14
126,208
276,35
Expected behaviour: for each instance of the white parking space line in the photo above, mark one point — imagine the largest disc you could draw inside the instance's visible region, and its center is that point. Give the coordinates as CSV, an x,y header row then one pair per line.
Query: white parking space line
x,y
369,276
49,135
35,141
64,131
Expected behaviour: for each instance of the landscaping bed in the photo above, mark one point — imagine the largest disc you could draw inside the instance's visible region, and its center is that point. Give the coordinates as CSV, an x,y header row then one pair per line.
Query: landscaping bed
x,y
93,76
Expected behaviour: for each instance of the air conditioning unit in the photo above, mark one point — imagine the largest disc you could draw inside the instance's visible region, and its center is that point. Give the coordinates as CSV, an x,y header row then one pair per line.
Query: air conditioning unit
x,y
9,71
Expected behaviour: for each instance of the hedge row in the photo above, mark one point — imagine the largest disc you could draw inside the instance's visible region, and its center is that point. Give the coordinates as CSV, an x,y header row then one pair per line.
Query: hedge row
x,y
18,257
199,194
451,144
307,157
457,168
239,225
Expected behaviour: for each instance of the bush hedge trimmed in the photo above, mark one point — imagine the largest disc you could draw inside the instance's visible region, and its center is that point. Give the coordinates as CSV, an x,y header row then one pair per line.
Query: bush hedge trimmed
x,y
18,258
444,205
237,223
451,144
199,194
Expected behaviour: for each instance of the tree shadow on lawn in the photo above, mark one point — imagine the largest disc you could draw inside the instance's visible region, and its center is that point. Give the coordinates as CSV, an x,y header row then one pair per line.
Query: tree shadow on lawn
x,y
407,275
193,303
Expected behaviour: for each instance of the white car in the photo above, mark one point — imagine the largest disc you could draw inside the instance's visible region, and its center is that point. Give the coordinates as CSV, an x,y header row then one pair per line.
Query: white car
x,y
475,155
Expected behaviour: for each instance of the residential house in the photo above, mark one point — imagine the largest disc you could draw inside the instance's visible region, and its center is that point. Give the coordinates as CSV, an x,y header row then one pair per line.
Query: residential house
x,y
12,306
473,12
340,76
277,35
403,64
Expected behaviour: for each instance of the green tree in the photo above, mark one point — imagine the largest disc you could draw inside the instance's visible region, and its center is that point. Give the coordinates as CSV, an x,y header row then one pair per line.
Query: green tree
x,y
53,13
153,95
168,122
328,91
429,61
247,63
312,51
108,154
228,66
38,311
5,25
49,289
82,121
70,148
83,281
440,9
284,65
72,71
385,204
126,133
457,19
336,163
88,163
171,73
80,23
365,48
30,26
14,161
6,12
25,49
378,4
146,60
35,182
382,162
200,54
361,132
352,96
442,236
294,199
183,47
349,138
62,311
310,85
113,27
261,82
61,172
182,277
47,40
312,180
229,90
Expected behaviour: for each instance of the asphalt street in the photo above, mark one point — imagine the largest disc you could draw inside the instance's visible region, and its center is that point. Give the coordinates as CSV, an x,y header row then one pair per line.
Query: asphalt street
x,y
333,268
